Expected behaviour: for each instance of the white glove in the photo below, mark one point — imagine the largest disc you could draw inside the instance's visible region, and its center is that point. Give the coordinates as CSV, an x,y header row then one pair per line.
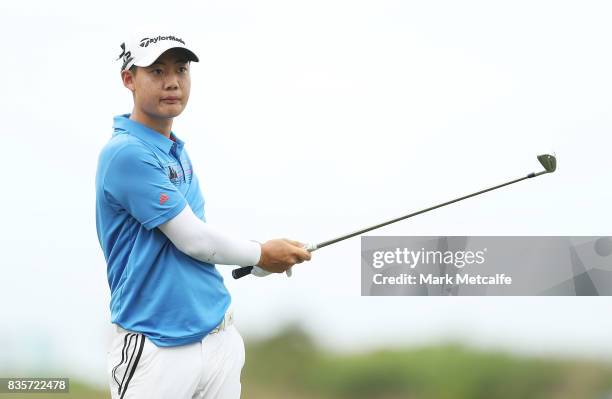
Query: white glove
x,y
259,272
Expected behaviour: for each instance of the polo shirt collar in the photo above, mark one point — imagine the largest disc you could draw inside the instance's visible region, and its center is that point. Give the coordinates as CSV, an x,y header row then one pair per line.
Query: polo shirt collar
x,y
145,133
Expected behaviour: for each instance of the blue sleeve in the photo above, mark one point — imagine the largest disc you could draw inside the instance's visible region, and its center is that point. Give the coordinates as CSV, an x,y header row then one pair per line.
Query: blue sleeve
x,y
137,183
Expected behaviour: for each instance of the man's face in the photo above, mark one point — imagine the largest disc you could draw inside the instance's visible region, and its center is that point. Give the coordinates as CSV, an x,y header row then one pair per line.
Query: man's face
x,y
161,90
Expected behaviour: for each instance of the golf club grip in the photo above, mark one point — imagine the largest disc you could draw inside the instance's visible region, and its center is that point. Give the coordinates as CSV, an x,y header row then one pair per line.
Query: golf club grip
x,y
241,272
246,270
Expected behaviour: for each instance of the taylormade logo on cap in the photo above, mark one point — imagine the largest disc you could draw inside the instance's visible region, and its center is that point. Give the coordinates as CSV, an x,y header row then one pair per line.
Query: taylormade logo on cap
x,y
143,50
146,41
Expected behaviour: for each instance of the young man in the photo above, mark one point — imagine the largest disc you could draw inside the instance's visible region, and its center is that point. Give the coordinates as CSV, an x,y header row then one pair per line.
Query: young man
x,y
173,325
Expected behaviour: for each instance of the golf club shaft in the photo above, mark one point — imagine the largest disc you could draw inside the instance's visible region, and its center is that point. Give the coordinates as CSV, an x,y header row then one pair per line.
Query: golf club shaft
x,y
377,226
243,271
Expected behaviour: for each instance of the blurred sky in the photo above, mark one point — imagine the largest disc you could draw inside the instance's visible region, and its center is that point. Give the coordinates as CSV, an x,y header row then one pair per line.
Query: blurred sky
x,y
308,120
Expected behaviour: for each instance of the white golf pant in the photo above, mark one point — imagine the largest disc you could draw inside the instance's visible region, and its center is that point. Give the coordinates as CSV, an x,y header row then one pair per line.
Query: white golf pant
x,y
138,369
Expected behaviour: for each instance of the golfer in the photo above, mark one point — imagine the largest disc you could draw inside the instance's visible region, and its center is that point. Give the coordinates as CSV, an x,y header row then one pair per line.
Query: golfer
x,y
173,331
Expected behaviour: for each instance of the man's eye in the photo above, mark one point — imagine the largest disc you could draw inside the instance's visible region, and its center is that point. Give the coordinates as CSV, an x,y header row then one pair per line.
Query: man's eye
x,y
183,69
156,71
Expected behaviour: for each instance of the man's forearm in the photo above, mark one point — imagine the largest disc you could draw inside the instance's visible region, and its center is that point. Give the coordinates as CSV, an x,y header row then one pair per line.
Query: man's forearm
x,y
208,244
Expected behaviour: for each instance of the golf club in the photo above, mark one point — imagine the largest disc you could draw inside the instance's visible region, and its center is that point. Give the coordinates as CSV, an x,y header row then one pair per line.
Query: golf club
x,y
549,162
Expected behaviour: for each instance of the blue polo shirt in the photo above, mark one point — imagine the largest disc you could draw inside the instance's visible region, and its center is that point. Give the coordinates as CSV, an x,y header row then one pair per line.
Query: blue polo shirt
x,y
144,179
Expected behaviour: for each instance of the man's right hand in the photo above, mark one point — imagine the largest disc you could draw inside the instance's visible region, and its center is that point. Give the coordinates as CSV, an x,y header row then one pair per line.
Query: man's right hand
x,y
281,254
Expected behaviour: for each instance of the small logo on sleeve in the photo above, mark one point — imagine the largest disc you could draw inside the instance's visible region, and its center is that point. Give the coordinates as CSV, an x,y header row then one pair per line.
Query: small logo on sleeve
x,y
163,198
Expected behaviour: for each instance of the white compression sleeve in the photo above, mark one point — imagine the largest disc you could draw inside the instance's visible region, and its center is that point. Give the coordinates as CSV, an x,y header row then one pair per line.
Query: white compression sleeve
x,y
206,243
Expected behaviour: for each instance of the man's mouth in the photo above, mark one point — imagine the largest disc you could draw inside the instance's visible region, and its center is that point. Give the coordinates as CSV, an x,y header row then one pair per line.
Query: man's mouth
x,y
170,99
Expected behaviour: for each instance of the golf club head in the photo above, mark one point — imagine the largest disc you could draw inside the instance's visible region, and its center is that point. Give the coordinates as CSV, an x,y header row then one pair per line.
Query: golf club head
x,y
549,162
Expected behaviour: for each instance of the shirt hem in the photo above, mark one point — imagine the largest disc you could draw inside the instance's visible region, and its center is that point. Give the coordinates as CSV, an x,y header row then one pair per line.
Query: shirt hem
x,y
169,342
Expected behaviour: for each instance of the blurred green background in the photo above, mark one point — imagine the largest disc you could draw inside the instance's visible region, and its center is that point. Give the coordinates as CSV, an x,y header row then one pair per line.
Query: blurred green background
x,y
291,365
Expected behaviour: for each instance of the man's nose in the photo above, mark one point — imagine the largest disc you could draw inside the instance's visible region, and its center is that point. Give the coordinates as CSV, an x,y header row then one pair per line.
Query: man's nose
x,y
171,82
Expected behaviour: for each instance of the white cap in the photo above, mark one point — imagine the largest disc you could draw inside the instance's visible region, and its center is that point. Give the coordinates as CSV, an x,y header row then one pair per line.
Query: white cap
x,y
146,49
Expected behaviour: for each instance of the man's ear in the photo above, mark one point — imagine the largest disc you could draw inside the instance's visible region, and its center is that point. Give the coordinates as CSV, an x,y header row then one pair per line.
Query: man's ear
x,y
128,80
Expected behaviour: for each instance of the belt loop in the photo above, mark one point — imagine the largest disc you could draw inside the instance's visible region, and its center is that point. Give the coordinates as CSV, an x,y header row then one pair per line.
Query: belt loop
x,y
228,319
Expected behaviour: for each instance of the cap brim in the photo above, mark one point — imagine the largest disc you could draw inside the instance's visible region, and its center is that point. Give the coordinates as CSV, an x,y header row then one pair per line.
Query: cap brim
x,y
191,56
